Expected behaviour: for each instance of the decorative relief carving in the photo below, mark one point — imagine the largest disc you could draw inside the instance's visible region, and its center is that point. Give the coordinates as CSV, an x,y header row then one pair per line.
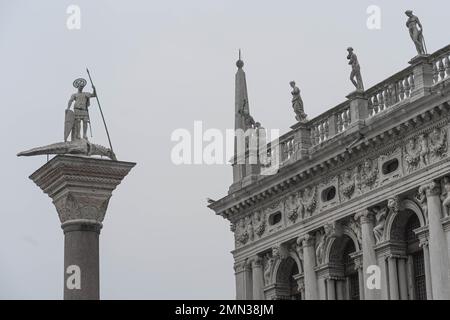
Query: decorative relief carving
x,y
421,199
438,143
74,207
355,226
260,223
293,207
347,184
330,230
367,175
418,151
309,200
268,266
445,197
380,214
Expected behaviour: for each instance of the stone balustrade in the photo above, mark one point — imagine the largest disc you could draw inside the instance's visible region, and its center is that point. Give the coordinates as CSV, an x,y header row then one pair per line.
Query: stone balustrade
x,y
441,65
390,92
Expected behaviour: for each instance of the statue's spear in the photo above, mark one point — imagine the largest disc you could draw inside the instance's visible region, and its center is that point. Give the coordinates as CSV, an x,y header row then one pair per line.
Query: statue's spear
x,y
101,112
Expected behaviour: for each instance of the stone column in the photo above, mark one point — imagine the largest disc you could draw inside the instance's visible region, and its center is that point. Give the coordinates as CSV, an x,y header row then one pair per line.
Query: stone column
x,y
439,257
340,289
359,268
243,276
258,279
80,188
393,278
369,257
331,289
309,262
426,261
402,278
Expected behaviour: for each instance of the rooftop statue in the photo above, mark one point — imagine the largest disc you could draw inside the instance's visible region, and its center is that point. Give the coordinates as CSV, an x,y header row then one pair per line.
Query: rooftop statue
x,y
72,124
356,70
416,32
297,103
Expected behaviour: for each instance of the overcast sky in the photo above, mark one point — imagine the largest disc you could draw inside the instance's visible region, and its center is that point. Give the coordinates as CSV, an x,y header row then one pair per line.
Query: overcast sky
x,y
159,66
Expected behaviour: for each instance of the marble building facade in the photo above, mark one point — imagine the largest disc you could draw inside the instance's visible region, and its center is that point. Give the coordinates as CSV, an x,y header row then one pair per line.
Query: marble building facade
x,y
362,191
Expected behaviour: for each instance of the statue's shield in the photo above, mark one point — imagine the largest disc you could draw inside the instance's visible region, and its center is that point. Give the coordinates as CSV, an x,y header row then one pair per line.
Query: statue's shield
x,y
68,123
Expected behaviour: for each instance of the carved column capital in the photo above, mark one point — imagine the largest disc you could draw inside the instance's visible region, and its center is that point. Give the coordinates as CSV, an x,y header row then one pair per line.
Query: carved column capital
x,y
306,240
364,216
242,266
256,262
430,189
423,243
80,187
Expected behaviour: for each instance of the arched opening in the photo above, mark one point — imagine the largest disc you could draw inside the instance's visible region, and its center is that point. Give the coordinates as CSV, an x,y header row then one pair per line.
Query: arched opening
x,y
347,287
411,278
287,281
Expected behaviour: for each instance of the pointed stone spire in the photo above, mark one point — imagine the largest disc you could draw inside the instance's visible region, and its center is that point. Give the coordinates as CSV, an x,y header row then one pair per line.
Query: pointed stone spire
x,y
241,96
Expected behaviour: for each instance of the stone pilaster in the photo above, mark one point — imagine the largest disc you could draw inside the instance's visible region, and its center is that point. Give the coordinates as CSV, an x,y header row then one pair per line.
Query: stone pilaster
x,y
243,274
309,262
366,219
81,188
439,256
257,278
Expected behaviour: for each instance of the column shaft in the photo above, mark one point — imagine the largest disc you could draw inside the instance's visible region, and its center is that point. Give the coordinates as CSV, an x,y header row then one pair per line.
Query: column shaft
x,y
361,283
81,260
439,260
331,289
426,259
258,279
403,281
309,262
369,256
393,278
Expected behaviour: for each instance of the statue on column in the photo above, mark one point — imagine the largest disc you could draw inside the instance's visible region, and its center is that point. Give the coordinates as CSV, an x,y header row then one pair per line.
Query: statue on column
x,y
80,114
416,32
297,103
355,75
77,145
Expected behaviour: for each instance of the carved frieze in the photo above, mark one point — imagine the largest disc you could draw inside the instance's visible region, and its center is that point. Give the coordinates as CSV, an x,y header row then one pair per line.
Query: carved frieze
x,y
406,155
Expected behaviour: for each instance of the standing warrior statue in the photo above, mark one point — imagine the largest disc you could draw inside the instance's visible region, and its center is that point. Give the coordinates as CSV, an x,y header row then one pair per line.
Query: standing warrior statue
x,y
356,70
297,103
416,32
81,112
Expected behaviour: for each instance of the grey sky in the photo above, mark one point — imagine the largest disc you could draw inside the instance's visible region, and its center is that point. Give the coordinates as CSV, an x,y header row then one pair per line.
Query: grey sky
x,y
159,66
